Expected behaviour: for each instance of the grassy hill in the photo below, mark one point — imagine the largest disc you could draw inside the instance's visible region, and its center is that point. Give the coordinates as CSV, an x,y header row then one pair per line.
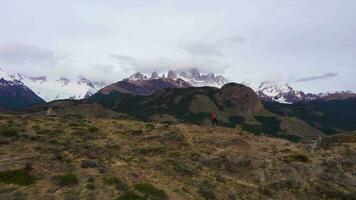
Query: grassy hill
x,y
77,157
330,117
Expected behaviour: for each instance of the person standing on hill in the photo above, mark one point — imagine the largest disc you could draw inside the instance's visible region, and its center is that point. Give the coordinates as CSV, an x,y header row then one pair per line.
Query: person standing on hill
x,y
214,119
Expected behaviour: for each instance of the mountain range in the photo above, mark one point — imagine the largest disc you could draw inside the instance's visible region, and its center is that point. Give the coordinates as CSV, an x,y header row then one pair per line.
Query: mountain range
x,y
50,89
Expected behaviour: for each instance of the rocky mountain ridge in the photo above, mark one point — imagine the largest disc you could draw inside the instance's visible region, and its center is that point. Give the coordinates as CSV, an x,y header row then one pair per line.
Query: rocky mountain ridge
x,y
51,89
14,94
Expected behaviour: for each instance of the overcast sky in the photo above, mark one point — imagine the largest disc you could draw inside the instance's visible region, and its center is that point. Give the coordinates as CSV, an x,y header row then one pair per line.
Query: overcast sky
x,y
310,44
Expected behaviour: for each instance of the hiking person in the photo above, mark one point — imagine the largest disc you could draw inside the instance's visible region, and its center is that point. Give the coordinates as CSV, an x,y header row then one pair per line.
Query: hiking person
x,y
214,119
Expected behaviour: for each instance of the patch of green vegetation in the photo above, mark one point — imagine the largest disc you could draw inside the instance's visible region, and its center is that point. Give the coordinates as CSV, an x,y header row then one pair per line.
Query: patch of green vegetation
x,y
253,128
74,124
93,129
270,126
36,127
149,127
66,180
119,185
236,119
296,158
113,146
49,132
18,177
327,116
8,132
90,186
206,190
151,192
292,138
333,191
181,167
131,196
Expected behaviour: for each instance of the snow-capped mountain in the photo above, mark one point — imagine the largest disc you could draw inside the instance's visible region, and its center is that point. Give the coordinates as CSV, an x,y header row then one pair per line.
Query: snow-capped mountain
x,y
14,94
136,77
283,93
337,95
53,89
194,78
139,84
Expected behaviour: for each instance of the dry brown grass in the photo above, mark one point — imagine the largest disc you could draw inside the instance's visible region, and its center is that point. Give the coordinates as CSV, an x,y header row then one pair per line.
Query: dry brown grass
x,y
184,161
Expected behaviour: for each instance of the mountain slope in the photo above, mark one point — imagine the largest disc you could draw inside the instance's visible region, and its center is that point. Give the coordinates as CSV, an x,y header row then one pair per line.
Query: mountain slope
x,y
141,85
333,116
191,104
14,95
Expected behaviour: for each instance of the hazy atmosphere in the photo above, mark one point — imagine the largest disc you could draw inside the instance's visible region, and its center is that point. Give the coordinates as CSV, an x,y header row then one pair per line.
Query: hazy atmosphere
x,y
308,44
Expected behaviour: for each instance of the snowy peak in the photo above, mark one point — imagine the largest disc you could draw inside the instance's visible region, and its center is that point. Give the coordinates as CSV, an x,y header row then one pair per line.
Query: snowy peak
x,y
137,77
172,75
7,77
154,75
191,76
195,78
282,93
51,89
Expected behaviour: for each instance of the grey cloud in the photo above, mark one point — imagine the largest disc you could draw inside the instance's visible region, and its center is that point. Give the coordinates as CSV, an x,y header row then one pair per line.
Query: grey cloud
x,y
123,58
201,49
313,78
162,64
20,54
213,49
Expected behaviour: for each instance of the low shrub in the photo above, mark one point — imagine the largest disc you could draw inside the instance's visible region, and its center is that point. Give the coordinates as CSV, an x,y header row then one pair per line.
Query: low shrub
x,y
48,132
93,129
119,185
8,132
296,158
18,177
131,196
151,192
149,127
66,180
90,186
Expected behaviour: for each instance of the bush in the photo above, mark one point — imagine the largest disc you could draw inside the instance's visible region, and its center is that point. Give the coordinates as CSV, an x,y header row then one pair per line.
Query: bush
x,y
253,128
292,138
131,196
90,186
149,127
36,127
8,132
271,125
18,177
121,186
93,129
151,192
49,132
296,158
66,180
